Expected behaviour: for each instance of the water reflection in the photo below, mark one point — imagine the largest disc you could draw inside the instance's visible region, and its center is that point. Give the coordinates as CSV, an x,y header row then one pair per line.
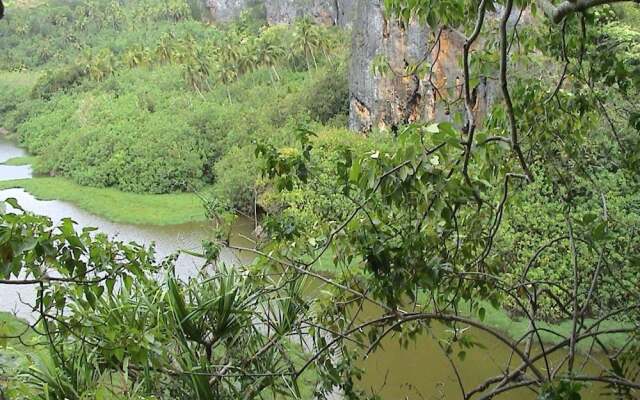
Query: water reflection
x,y
8,151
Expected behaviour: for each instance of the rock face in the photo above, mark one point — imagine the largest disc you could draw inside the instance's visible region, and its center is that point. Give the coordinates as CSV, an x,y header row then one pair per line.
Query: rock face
x,y
346,12
387,100
227,10
326,12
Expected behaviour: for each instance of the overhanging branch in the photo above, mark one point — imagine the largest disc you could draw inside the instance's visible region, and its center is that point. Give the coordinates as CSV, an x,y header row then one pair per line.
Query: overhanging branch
x,y
559,12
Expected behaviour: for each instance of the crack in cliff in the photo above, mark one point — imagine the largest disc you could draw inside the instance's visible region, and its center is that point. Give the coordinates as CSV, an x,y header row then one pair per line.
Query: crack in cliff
x,y
363,114
412,111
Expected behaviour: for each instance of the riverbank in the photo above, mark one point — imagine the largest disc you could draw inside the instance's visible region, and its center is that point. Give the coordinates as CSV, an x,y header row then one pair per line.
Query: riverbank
x,y
114,205
172,209
518,327
514,327
19,161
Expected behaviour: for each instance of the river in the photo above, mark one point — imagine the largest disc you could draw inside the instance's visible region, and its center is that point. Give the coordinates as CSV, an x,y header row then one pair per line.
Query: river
x,y
167,239
420,371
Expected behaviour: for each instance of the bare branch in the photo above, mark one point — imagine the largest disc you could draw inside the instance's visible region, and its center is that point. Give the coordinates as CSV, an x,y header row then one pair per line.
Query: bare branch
x,y
504,60
559,12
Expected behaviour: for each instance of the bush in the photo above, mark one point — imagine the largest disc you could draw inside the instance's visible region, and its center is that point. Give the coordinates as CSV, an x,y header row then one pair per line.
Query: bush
x,y
328,97
57,80
146,109
237,178
540,217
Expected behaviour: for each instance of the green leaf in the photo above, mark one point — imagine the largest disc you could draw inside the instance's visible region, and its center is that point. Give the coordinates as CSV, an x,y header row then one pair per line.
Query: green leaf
x,y
13,203
433,128
599,232
354,174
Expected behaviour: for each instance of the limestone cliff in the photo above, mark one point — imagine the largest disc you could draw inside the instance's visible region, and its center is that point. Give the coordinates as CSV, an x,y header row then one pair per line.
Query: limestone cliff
x,y
382,100
397,97
326,12
227,10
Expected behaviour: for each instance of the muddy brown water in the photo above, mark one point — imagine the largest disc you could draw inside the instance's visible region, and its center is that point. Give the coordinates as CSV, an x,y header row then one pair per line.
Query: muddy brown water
x,y
420,371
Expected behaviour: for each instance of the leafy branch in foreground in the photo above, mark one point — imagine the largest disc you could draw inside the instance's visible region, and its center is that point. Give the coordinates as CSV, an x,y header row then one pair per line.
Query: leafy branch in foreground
x,y
424,238
418,249
110,319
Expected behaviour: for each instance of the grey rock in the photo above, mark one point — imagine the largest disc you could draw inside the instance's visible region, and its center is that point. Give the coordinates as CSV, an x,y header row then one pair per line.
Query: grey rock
x,y
392,99
345,12
282,11
326,12
397,98
227,10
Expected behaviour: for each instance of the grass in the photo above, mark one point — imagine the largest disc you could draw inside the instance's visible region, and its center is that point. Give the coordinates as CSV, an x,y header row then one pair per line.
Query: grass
x,y
24,160
117,206
515,327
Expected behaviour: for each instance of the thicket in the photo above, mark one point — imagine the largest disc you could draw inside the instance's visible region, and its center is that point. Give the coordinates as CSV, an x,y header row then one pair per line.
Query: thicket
x,y
156,101
590,176
153,100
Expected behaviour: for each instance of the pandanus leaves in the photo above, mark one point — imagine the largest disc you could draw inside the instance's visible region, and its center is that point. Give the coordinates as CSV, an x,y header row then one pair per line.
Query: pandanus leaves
x,y
181,312
223,307
290,308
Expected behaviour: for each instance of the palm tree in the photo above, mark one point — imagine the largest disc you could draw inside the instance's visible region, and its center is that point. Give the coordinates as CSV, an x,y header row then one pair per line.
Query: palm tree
x,y
177,10
327,43
23,29
269,54
187,49
44,52
102,65
228,51
226,73
132,58
80,17
306,41
247,59
116,15
197,70
59,19
165,49
81,23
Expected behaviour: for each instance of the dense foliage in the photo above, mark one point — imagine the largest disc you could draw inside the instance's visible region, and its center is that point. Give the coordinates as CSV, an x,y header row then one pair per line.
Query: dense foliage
x,y
124,326
155,110
531,209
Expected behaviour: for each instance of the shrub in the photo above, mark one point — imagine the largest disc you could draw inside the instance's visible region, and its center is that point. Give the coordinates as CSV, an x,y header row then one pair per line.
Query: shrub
x,y
60,79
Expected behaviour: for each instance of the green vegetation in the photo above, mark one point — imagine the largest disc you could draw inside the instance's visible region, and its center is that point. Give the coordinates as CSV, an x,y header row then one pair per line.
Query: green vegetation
x,y
115,205
15,353
522,220
518,327
169,342
156,111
